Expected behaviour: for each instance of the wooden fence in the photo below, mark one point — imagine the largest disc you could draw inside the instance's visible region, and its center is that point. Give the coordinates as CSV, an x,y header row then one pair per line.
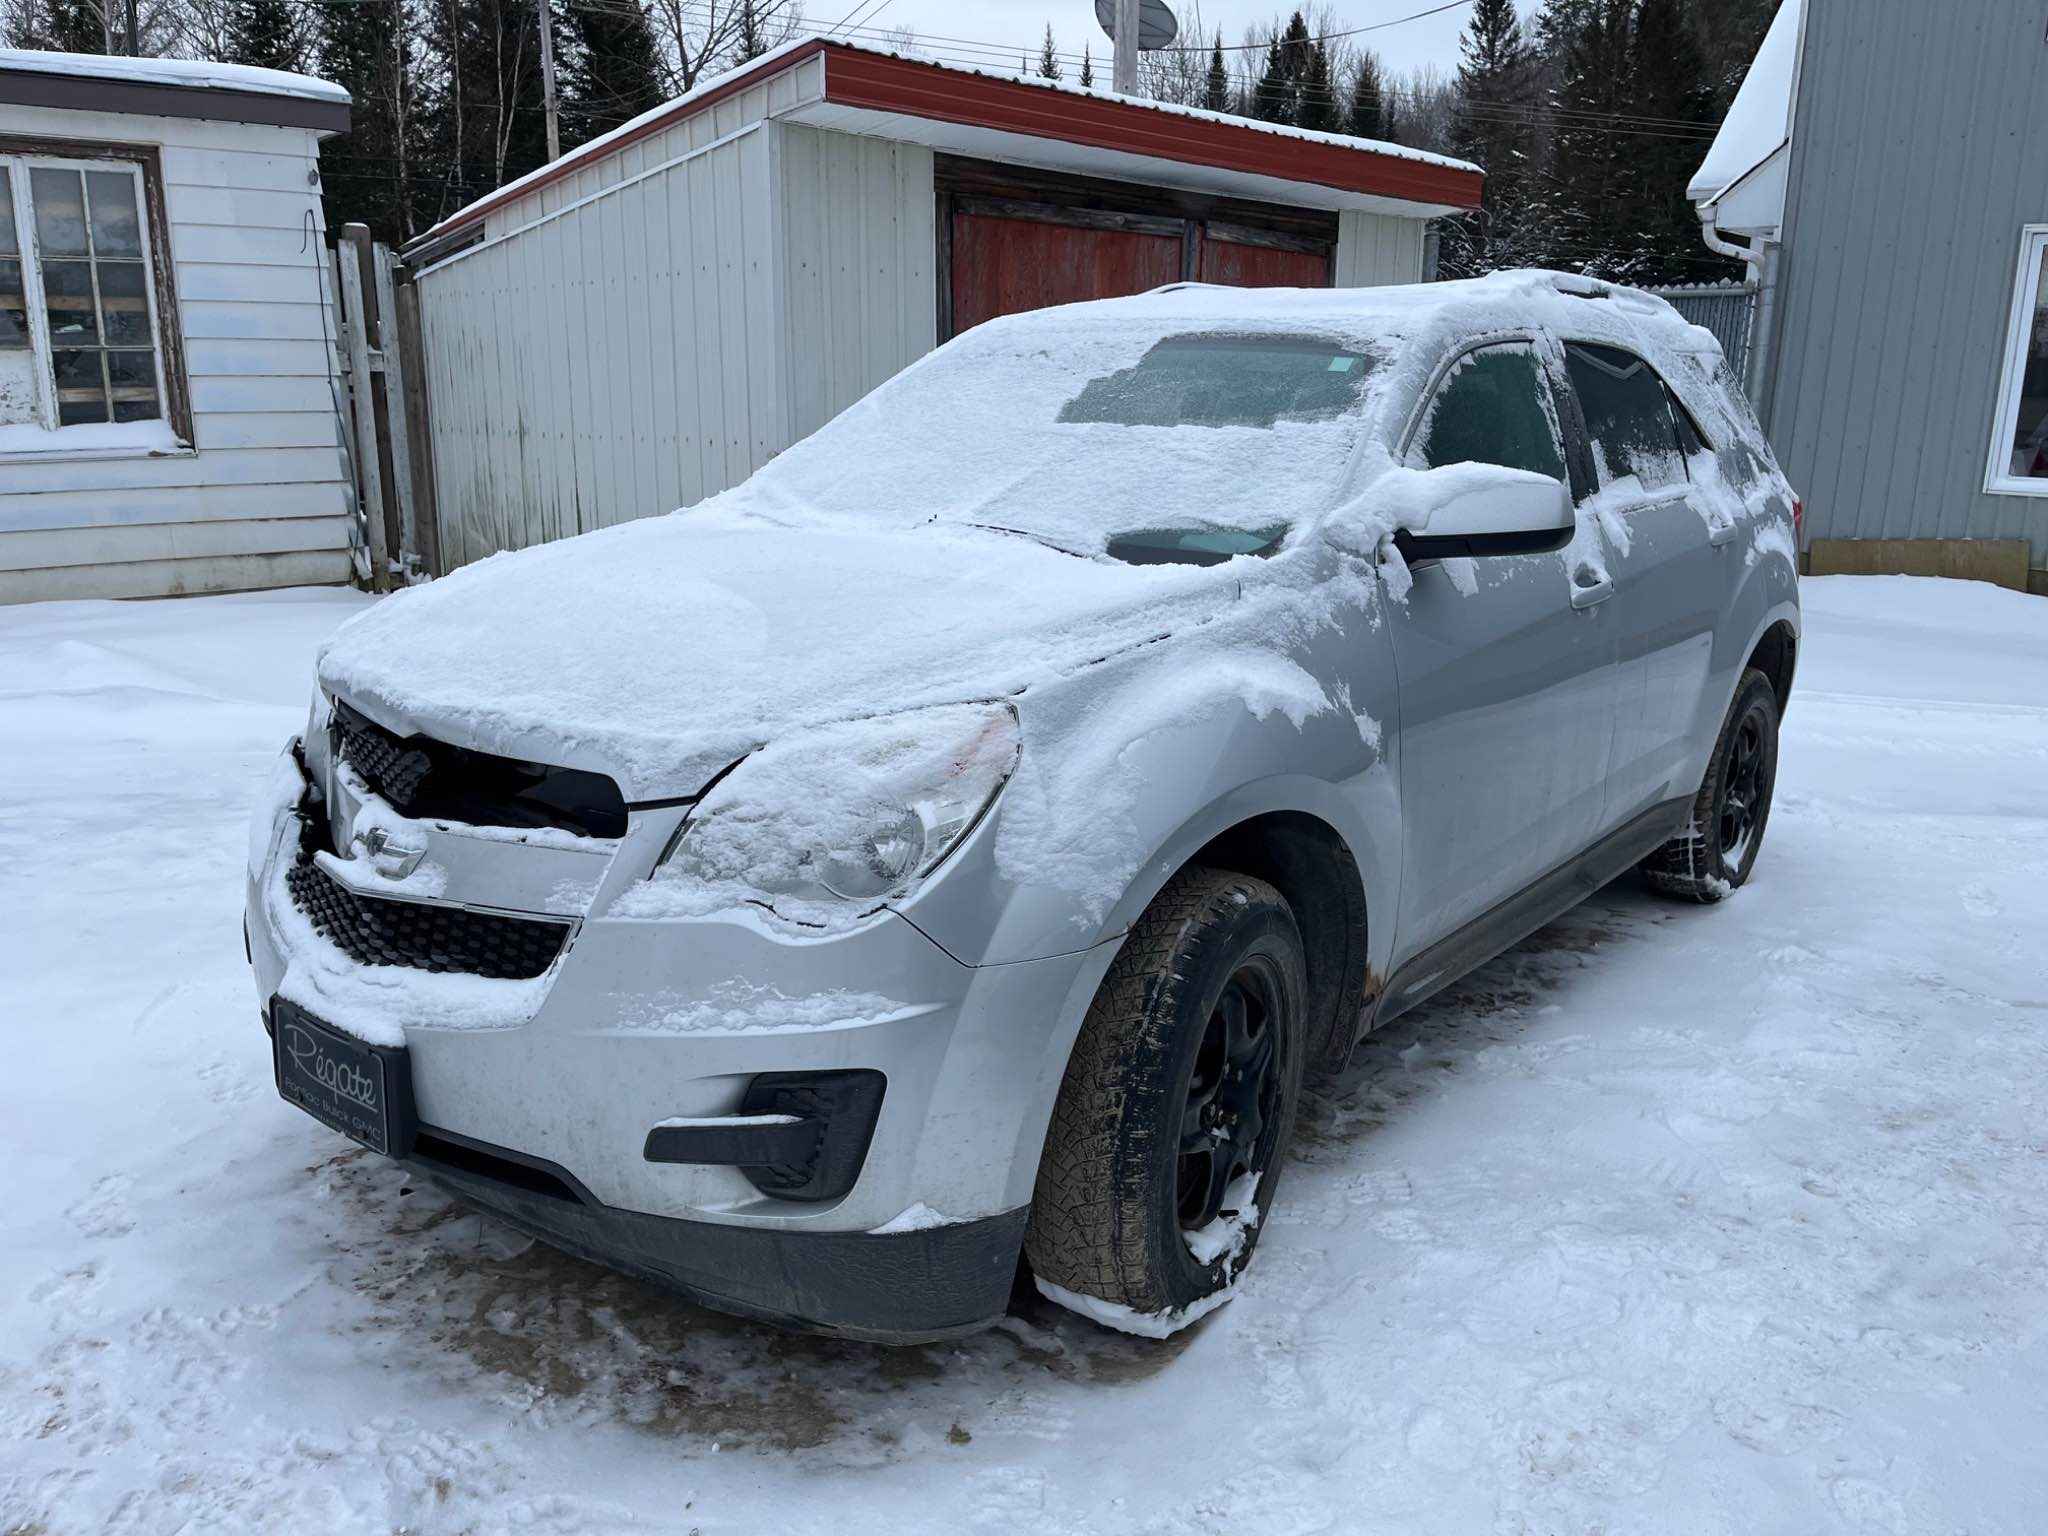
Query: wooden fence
x,y
383,401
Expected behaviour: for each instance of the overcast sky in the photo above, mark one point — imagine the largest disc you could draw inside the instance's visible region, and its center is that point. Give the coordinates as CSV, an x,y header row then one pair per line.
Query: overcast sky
x,y
1021,23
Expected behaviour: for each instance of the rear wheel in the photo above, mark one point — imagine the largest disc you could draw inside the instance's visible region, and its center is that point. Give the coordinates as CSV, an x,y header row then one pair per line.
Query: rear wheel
x,y
1177,1108
1719,846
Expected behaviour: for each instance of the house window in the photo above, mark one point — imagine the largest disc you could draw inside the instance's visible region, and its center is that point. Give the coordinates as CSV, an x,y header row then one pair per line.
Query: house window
x,y
2019,448
82,342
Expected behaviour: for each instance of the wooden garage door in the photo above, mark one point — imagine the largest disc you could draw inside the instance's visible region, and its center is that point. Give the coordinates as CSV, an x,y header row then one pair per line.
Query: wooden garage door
x,y
1008,261
1261,265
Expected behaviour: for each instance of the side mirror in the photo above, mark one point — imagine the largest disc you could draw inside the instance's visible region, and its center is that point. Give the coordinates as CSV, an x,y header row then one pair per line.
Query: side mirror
x,y
1481,509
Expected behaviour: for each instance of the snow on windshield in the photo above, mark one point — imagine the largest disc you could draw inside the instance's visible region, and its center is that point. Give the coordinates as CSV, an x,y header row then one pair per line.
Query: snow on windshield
x,y
1078,432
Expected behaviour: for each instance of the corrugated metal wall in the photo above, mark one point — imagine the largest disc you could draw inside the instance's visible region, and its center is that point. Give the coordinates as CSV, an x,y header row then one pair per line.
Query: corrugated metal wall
x,y
1377,249
1919,151
609,352
858,253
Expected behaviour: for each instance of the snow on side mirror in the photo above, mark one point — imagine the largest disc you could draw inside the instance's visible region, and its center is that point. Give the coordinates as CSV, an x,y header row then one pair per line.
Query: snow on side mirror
x,y
1481,509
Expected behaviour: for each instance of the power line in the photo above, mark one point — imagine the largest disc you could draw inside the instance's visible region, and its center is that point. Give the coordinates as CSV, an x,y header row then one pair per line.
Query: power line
x,y
1327,37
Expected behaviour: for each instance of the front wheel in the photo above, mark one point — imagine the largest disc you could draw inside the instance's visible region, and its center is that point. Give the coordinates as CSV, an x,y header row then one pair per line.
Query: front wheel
x,y
1717,850
1176,1111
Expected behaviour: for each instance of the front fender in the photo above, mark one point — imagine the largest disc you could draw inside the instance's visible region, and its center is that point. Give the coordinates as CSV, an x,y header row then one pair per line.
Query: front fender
x,y
1121,786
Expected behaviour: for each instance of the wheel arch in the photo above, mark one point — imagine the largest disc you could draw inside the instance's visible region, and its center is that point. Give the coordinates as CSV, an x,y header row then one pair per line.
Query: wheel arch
x,y
1310,842
1776,655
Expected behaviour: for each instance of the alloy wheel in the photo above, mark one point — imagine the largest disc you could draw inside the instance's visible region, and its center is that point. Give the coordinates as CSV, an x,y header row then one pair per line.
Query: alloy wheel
x,y
1232,1095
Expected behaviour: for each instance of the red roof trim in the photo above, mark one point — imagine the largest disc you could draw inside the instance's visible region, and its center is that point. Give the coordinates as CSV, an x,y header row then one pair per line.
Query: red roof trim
x,y
914,88
855,77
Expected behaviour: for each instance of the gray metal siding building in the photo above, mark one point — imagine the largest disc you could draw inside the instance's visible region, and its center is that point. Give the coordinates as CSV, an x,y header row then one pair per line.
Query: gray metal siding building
x,y
1919,158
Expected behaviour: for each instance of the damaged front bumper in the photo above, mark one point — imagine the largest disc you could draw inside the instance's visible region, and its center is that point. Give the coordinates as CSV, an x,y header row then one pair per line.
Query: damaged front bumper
x,y
558,1100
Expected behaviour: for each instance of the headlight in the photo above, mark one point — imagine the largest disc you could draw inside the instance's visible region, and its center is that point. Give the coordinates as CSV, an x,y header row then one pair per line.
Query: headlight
x,y
849,815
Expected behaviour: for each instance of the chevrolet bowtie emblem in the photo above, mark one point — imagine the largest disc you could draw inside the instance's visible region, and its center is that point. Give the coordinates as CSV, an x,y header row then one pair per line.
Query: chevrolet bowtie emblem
x,y
389,858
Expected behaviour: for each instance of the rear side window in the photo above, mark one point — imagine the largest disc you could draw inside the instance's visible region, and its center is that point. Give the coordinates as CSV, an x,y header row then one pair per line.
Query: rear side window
x,y
1494,407
1628,416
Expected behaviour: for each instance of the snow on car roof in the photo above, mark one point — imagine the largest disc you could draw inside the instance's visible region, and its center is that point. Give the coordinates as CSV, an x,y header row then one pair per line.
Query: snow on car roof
x,y
197,73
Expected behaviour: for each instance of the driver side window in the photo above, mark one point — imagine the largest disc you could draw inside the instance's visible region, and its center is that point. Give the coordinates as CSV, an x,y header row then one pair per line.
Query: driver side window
x,y
1494,407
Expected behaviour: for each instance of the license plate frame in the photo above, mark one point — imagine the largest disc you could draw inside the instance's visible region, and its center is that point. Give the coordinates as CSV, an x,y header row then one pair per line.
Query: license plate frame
x,y
363,1091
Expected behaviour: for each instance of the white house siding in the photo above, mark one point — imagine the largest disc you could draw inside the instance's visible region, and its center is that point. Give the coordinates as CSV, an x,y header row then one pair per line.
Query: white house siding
x,y
1378,249
858,260
262,500
608,351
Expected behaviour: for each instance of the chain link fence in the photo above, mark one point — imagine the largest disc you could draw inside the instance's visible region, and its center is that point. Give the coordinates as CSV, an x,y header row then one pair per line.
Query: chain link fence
x,y
1724,309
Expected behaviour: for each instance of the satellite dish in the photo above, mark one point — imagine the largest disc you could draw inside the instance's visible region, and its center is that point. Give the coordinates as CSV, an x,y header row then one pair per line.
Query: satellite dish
x,y
1157,26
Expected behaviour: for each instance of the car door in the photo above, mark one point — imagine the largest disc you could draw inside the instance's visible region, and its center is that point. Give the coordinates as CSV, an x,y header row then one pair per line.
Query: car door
x,y
1669,568
1505,668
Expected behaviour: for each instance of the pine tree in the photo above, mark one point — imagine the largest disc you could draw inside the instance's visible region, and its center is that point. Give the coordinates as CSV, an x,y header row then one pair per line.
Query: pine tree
x,y
1317,105
609,74
1671,85
1591,223
1494,127
1087,67
72,26
1277,96
366,172
1216,86
1048,56
265,33
1366,115
750,42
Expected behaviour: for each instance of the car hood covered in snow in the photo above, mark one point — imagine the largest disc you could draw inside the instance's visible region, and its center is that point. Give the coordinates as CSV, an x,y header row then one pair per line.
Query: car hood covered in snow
x,y
660,651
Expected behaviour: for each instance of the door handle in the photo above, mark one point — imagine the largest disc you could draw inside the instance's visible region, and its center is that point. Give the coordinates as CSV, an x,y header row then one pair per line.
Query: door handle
x,y
1721,533
1586,594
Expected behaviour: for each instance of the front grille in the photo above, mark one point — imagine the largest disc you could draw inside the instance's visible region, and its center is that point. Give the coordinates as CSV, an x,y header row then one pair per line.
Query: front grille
x,y
374,931
392,769
426,778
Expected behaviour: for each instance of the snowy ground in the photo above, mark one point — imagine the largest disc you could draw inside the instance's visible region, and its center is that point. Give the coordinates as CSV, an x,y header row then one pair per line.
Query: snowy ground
x,y
1671,1220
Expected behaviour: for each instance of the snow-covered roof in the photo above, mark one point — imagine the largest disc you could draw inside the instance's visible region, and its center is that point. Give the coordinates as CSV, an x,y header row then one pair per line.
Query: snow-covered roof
x,y
1759,122
1137,130
196,73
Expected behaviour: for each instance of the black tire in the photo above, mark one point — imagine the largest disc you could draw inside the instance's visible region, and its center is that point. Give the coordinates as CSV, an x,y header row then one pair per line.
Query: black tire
x,y
1712,858
1114,1192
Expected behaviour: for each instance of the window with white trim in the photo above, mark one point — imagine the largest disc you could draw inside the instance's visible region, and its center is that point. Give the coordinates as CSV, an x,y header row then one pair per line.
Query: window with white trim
x,y
82,359
2019,447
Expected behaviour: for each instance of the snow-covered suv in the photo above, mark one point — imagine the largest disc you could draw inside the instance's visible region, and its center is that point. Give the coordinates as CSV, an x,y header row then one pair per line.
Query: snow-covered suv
x,y
957,842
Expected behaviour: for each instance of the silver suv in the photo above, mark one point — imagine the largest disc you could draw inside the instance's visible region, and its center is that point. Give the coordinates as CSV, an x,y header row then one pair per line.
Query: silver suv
x,y
956,844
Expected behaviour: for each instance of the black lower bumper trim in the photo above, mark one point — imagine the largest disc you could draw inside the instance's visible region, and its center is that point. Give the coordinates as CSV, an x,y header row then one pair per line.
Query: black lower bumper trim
x,y
887,1288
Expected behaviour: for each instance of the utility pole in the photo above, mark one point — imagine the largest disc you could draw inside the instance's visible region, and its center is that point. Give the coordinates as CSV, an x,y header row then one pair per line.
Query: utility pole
x,y
134,33
547,77
1124,77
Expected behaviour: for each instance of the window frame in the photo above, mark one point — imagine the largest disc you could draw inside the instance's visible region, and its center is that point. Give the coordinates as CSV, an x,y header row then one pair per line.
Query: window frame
x,y
1418,412
1595,469
2029,289
21,154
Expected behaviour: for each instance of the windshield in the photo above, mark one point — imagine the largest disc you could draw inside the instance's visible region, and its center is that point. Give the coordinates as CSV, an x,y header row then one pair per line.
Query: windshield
x,y
1087,435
